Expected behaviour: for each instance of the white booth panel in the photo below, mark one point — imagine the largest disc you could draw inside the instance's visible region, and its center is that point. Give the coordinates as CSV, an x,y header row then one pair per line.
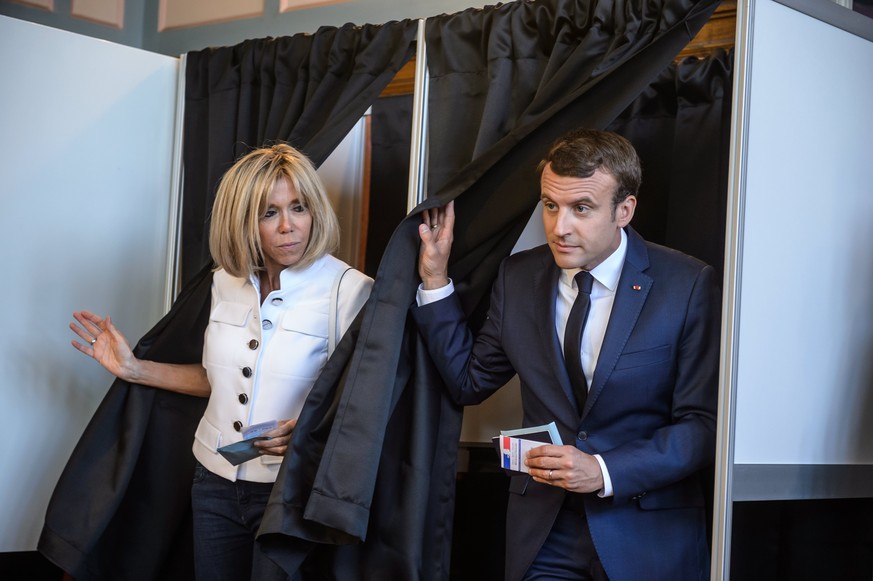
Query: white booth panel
x,y
804,390
343,176
86,157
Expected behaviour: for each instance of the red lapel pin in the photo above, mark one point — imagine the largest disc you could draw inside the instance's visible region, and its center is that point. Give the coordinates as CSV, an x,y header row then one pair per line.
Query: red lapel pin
x,y
637,287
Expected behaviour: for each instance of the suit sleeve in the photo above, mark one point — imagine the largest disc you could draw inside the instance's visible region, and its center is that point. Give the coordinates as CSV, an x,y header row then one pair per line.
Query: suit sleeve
x,y
686,444
472,368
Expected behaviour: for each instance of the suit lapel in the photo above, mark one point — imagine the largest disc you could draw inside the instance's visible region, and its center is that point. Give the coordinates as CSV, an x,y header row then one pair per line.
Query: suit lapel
x,y
546,289
630,296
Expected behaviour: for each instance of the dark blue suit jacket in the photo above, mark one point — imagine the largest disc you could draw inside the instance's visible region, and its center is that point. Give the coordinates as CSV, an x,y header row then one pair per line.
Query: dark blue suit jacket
x,y
650,413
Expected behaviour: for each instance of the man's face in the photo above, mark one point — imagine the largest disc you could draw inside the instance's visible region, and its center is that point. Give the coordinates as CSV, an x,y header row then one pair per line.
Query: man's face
x,y
581,228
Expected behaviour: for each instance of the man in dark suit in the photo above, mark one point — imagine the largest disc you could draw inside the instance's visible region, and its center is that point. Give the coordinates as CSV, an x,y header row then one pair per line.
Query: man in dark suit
x,y
634,397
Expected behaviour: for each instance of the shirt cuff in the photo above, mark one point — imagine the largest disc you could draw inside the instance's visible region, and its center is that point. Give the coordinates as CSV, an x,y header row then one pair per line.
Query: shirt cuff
x,y
607,481
426,297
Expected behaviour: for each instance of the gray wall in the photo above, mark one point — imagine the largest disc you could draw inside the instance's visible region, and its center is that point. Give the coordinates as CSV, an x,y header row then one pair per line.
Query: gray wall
x,y
175,42
141,21
130,35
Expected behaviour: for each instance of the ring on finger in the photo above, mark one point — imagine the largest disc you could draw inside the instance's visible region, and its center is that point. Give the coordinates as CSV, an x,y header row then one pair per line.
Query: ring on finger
x,y
550,474
93,341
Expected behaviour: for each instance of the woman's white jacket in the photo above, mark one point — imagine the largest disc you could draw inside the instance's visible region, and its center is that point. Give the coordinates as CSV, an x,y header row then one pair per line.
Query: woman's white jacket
x,y
262,359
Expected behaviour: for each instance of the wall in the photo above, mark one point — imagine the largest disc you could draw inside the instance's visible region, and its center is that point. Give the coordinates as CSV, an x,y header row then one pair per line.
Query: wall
x,y
276,23
809,273
804,381
154,24
119,21
86,162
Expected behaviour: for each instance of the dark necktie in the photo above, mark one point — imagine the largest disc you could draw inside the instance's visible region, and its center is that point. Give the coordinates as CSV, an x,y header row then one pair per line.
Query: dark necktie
x,y
573,337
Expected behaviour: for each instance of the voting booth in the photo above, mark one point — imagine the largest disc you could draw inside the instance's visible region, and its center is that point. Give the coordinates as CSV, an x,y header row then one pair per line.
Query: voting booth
x,y
92,171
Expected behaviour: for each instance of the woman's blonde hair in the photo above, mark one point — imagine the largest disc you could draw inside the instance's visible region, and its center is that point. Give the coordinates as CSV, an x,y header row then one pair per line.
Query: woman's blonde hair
x,y
234,238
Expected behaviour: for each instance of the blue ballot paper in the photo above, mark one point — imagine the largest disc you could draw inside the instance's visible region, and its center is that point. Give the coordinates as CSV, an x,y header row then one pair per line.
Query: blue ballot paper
x,y
245,450
513,445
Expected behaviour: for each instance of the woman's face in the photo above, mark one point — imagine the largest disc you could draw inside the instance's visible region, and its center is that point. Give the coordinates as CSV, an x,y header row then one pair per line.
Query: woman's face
x,y
284,227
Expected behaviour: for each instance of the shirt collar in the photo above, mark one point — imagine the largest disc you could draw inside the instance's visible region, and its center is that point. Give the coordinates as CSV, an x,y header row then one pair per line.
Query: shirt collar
x,y
291,277
607,272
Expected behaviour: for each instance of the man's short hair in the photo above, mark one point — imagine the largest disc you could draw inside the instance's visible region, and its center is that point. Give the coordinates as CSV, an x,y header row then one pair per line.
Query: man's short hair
x,y
581,152
243,193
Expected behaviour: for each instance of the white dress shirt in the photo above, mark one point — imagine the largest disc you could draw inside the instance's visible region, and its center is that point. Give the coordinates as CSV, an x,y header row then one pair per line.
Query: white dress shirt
x,y
606,275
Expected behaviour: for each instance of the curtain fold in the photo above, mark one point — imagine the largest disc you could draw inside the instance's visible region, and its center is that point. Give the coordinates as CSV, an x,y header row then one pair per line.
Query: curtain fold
x,y
389,173
371,492
680,126
502,71
308,90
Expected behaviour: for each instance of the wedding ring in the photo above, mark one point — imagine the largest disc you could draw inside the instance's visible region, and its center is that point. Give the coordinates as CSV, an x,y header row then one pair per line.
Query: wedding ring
x,y
550,474
435,226
93,341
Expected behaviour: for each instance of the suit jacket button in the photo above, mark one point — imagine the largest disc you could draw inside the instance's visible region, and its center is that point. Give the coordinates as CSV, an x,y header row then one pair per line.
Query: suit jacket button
x,y
237,425
583,435
243,398
247,371
253,344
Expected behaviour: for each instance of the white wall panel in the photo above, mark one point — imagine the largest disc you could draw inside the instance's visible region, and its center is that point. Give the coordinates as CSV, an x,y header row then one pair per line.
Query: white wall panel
x,y
85,161
805,362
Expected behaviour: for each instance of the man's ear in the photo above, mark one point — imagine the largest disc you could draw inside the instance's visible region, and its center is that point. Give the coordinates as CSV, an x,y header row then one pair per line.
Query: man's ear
x,y
625,211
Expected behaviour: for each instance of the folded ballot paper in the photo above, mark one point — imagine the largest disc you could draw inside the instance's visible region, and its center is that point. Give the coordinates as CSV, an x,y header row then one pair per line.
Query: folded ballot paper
x,y
513,445
245,450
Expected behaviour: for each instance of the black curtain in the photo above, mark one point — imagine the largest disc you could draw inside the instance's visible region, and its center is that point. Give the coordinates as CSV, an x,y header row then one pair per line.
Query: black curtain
x,y
379,437
391,120
525,74
680,126
308,90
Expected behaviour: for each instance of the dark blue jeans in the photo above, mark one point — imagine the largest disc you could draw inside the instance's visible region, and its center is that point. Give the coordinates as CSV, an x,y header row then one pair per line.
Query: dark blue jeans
x,y
226,517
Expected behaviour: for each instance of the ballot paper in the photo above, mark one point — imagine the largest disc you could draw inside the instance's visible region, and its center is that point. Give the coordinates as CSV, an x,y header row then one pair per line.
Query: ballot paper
x,y
513,445
245,450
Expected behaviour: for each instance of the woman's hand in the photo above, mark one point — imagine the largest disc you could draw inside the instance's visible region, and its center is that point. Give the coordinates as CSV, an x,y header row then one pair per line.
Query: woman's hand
x,y
109,348
280,438
104,343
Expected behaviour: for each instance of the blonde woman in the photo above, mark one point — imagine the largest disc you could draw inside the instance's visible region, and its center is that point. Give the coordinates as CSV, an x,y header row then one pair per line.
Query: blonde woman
x,y
279,300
